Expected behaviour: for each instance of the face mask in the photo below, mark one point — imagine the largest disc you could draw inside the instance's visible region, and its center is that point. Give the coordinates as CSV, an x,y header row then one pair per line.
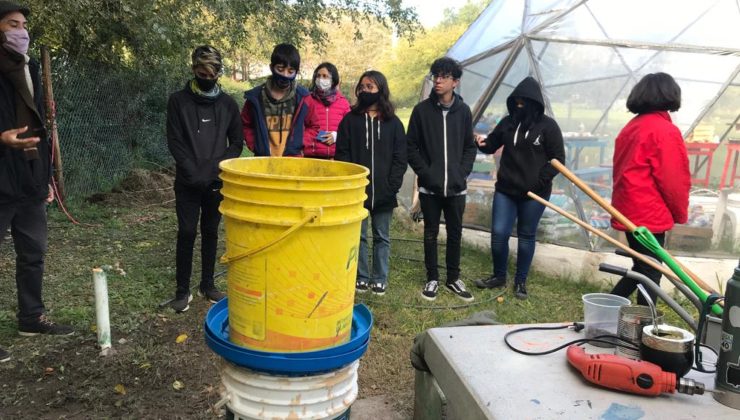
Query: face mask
x,y
367,98
323,84
17,40
283,82
206,85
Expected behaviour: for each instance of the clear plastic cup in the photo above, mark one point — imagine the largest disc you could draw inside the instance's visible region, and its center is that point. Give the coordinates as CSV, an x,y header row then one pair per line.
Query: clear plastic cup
x,y
601,314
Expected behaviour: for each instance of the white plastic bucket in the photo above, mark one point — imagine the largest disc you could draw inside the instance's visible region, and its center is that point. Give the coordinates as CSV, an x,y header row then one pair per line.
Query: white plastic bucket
x,y
252,395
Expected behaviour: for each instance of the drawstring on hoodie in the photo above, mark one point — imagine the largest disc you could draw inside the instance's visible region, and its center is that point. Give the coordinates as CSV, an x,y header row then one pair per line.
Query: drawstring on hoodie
x,y
516,133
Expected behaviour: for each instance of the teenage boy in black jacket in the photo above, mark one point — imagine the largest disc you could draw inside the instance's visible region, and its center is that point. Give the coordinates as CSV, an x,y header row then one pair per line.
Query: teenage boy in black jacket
x,y
203,128
441,150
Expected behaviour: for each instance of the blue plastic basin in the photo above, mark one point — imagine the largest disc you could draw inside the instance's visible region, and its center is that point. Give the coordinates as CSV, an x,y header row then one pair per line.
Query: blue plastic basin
x,y
295,363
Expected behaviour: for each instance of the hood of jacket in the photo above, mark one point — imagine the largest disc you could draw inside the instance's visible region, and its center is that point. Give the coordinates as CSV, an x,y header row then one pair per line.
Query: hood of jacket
x,y
528,88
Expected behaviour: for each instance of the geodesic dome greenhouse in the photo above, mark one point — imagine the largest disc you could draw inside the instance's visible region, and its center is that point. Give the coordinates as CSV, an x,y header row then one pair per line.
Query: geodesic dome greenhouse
x,y
587,55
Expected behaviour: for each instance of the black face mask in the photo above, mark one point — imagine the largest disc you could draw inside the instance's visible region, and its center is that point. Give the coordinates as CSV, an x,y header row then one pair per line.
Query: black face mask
x,y
281,81
206,85
367,99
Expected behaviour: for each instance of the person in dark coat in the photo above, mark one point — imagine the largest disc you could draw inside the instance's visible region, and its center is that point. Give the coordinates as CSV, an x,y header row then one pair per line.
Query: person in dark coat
x,y
371,135
441,151
25,170
530,140
274,112
203,128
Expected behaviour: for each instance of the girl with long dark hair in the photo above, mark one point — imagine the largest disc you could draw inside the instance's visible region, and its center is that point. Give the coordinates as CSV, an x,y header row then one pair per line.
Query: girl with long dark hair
x,y
372,135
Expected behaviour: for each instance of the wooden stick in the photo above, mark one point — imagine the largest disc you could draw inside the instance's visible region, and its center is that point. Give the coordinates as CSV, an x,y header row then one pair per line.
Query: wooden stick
x,y
51,116
647,260
621,218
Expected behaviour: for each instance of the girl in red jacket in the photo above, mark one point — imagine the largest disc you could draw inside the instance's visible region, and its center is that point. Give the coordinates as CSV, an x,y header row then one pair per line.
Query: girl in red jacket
x,y
651,170
326,108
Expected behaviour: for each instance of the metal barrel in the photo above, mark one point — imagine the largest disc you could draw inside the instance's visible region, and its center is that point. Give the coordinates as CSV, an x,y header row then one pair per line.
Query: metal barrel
x,y
629,327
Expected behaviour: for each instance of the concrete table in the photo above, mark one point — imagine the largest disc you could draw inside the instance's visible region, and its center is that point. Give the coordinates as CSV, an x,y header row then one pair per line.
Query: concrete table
x,y
481,378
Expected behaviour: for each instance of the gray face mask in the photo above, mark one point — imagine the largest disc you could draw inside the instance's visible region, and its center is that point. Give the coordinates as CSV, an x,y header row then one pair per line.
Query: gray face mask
x,y
323,84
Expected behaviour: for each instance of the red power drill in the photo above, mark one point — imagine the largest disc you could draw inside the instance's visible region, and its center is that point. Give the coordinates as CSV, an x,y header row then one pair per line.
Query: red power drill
x,y
634,376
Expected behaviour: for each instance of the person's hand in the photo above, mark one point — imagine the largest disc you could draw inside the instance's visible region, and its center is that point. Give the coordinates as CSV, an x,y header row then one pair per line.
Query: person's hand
x,y
480,139
50,196
330,138
10,138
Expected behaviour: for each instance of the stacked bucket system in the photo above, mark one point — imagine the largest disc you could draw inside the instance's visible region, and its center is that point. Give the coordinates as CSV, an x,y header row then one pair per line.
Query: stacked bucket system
x,y
289,332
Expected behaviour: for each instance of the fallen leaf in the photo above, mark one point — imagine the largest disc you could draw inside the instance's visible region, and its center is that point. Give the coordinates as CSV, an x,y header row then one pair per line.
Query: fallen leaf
x,y
48,371
94,328
500,299
146,365
120,389
178,385
181,338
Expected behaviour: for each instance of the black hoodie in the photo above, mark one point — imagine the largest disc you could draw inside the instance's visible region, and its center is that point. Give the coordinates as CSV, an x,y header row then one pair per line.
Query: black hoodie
x,y
441,149
201,132
525,164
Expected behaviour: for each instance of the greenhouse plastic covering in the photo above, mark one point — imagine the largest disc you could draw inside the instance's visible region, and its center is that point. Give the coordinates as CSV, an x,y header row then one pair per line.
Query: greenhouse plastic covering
x,y
588,54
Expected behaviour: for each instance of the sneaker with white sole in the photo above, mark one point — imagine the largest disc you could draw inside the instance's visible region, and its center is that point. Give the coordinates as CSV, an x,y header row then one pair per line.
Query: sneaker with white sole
x,y
430,290
458,288
181,304
361,286
378,288
43,325
4,355
213,295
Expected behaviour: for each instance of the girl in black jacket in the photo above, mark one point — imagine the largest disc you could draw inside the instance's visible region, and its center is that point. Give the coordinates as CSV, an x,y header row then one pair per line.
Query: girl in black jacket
x,y
371,135
530,140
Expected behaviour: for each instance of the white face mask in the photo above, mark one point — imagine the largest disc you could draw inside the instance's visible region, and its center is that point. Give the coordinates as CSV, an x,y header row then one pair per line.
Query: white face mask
x,y
323,84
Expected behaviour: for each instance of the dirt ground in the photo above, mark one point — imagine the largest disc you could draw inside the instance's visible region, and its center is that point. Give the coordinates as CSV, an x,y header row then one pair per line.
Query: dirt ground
x,y
151,375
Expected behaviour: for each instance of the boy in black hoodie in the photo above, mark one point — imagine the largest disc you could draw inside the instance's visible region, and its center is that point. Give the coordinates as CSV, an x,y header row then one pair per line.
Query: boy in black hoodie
x,y
531,140
441,150
203,128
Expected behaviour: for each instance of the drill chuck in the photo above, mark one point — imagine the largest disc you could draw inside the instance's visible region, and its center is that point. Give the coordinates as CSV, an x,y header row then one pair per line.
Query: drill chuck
x,y
689,386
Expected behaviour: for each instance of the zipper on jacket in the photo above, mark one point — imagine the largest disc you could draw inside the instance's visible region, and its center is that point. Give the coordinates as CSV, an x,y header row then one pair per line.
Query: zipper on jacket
x,y
327,128
372,166
444,130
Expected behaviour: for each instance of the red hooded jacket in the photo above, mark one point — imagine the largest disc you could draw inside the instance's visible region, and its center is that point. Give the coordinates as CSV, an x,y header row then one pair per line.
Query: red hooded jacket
x,y
321,117
651,173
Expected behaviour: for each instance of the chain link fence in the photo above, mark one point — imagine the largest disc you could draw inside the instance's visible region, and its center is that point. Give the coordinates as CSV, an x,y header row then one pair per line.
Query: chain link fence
x,y
110,120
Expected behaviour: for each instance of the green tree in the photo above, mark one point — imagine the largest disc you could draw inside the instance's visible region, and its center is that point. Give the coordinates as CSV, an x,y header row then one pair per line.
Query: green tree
x,y
162,32
409,61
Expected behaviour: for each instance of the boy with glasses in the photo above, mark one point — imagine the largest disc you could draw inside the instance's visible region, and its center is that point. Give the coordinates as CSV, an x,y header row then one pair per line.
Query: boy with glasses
x,y
441,151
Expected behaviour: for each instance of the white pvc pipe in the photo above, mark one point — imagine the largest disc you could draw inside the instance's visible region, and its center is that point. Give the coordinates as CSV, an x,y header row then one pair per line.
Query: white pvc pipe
x,y
101,308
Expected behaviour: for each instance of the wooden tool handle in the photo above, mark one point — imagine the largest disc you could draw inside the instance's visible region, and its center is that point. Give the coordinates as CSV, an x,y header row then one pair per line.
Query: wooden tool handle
x,y
591,193
649,261
620,217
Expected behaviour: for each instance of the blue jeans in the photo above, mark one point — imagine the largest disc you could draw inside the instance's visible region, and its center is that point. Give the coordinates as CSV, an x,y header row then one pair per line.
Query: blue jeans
x,y
528,213
381,225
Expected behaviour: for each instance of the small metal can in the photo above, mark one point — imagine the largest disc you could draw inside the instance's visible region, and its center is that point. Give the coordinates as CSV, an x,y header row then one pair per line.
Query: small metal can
x,y
632,318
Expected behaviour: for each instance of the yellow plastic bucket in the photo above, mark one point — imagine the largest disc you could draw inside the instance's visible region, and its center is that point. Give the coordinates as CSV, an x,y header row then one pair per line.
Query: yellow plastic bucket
x,y
292,239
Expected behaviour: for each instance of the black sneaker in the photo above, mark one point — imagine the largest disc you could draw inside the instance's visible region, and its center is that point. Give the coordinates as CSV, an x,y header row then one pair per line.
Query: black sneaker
x,y
361,286
213,295
378,288
4,355
490,282
181,304
44,325
458,288
520,291
430,290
